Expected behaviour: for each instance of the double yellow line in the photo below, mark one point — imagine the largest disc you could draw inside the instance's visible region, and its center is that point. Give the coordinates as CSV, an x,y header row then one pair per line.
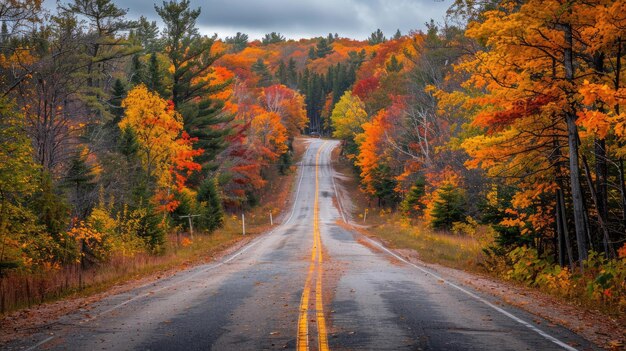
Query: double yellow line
x,y
315,265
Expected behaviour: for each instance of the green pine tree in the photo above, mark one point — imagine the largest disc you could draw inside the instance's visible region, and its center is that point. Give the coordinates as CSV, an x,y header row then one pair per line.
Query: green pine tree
x,y
449,207
412,205
191,57
212,212
155,76
263,72
79,180
292,74
272,38
281,73
323,48
137,71
238,42
118,92
376,38
398,35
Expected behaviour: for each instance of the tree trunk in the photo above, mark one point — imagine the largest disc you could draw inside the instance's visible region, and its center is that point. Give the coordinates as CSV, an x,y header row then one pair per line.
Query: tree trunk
x,y
572,137
568,244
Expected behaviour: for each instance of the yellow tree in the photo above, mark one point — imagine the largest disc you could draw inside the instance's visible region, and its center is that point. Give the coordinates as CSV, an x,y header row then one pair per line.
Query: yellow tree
x,y
166,152
347,120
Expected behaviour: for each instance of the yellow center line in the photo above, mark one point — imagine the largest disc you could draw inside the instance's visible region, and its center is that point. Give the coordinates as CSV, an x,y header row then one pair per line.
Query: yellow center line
x,y
316,252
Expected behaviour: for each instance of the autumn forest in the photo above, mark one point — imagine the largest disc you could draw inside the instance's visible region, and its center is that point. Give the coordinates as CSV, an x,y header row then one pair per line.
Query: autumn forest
x,y
507,118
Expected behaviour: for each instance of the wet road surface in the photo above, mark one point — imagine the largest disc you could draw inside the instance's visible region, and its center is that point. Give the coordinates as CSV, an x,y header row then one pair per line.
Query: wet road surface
x,y
310,284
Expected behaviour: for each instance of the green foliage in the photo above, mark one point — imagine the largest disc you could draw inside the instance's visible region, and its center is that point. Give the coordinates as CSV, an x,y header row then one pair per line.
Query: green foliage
x,y
212,213
118,92
412,206
602,280
376,37
263,72
155,78
272,38
398,35
323,48
449,207
384,184
150,227
238,42
80,182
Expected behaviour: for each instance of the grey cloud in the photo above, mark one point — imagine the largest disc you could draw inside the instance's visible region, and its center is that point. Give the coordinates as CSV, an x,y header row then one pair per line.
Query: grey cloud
x,y
304,18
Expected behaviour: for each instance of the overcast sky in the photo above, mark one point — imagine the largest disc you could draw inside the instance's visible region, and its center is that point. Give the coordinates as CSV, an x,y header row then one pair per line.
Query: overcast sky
x,y
302,18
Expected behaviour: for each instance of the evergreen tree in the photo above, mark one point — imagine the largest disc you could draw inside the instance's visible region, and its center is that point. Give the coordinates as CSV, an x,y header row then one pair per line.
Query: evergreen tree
x,y
155,76
292,74
80,182
238,42
272,38
263,72
394,65
356,59
398,35
150,227
137,71
312,53
212,216
449,207
191,57
281,73
376,38
117,95
128,144
147,35
384,186
323,48
412,205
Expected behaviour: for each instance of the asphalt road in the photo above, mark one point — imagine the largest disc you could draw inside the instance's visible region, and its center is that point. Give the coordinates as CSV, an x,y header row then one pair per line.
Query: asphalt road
x,y
308,284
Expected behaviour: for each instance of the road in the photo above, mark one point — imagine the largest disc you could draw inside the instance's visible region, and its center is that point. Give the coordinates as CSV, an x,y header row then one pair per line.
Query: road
x,y
308,284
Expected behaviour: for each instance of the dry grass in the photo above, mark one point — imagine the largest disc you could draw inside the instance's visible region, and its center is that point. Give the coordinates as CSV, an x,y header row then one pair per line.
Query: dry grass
x,y
456,251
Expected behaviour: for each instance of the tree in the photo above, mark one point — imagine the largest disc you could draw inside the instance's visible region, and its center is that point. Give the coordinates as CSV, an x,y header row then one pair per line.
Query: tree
x,y
398,35
193,92
288,104
348,117
155,76
166,156
18,182
79,180
376,37
323,48
449,207
238,42
312,53
272,38
212,216
263,72
147,34
115,101
394,65
413,204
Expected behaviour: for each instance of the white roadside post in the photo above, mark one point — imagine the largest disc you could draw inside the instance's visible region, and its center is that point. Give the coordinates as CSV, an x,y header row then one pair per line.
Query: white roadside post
x,y
243,223
271,219
364,216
